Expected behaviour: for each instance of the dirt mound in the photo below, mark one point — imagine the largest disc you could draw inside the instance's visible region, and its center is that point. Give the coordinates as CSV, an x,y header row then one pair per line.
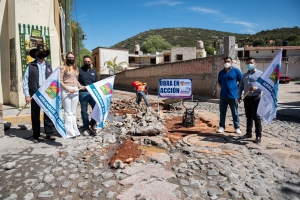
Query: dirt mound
x,y
127,152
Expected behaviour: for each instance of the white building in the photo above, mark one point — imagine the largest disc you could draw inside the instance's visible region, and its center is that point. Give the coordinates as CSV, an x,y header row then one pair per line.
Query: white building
x,y
290,64
100,55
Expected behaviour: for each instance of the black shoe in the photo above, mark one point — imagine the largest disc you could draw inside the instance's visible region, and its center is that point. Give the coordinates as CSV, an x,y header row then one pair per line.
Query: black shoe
x,y
50,137
246,136
35,140
258,140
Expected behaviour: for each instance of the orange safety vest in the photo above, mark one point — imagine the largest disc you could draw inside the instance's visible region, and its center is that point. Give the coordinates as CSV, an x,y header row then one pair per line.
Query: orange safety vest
x,y
139,86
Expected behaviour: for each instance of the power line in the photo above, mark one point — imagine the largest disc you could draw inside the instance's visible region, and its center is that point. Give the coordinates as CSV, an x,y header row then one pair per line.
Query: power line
x,y
91,20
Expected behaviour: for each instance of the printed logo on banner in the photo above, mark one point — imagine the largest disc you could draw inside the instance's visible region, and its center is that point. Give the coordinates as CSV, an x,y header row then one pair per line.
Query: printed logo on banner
x,y
53,89
275,74
106,89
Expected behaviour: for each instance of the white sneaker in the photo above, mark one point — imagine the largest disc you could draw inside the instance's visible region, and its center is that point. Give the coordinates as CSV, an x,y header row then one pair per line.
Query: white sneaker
x,y
221,130
238,131
86,133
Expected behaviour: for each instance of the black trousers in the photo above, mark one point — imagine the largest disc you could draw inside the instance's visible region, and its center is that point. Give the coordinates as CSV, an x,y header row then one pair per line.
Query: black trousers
x,y
251,104
36,123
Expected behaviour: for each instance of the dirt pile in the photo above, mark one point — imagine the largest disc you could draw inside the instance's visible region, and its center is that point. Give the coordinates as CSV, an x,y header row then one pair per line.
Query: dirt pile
x,y
127,152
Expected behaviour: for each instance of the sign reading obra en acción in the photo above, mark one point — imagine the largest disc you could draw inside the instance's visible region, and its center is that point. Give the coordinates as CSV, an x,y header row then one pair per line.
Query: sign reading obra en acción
x,y
175,88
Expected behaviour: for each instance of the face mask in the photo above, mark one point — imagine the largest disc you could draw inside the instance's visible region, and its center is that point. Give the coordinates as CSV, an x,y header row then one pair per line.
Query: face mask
x,y
70,61
40,56
250,66
227,65
87,66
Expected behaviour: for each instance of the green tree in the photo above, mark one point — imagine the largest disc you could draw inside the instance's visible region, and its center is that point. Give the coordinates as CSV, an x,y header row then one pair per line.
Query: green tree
x,y
259,42
210,50
278,42
155,43
78,45
293,37
115,67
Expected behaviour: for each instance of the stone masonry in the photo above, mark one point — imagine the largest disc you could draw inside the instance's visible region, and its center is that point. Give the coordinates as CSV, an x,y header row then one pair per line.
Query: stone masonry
x,y
1,121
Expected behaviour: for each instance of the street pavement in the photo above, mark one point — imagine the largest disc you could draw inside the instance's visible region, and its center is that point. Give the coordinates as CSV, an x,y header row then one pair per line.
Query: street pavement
x,y
191,168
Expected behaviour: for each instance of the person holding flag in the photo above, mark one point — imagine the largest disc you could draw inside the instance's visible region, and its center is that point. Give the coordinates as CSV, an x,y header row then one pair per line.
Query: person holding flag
x,y
87,76
70,97
251,99
35,75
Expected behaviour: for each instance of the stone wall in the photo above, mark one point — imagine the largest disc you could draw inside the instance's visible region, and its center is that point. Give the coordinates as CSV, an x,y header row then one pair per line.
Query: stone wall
x,y
188,53
1,121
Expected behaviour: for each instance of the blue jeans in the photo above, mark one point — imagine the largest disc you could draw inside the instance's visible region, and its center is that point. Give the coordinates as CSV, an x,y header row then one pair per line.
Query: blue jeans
x,y
233,104
141,95
85,98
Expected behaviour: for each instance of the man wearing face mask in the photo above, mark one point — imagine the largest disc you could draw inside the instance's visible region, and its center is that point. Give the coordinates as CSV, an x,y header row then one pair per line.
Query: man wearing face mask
x,y
251,101
35,75
87,76
228,79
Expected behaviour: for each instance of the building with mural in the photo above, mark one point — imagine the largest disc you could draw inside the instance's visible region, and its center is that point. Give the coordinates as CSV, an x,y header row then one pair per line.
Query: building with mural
x,y
24,25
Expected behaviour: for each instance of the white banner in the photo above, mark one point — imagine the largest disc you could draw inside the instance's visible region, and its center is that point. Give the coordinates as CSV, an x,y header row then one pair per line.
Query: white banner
x,y
48,97
268,82
175,88
101,92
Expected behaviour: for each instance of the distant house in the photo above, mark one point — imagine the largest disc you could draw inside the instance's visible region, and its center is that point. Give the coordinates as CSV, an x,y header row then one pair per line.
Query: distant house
x,y
290,64
100,55
138,59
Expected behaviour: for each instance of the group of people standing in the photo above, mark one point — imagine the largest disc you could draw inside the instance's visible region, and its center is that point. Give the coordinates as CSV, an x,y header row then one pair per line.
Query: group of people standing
x,y
233,84
73,81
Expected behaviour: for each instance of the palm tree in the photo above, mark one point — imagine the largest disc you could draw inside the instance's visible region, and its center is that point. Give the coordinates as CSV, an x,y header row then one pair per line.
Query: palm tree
x,y
115,67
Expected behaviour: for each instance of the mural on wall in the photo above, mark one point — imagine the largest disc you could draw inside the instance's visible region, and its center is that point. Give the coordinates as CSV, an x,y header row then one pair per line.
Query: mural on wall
x,y
12,66
30,37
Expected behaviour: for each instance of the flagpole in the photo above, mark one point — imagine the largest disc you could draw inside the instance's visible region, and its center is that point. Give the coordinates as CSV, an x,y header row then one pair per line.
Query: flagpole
x,y
24,106
245,95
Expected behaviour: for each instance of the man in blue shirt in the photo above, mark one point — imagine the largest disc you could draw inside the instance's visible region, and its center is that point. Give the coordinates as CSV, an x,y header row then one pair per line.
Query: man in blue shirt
x,y
228,79
252,99
87,76
35,75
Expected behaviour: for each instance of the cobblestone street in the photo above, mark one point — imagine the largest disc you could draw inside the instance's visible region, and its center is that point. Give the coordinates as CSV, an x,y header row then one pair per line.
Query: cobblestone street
x,y
201,165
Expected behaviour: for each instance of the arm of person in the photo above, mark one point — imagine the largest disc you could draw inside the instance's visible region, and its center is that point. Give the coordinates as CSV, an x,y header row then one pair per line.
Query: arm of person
x,y
241,89
25,86
219,80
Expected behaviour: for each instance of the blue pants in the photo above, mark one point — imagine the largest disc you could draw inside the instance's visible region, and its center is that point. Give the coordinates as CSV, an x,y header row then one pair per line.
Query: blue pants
x,y
141,95
85,98
233,104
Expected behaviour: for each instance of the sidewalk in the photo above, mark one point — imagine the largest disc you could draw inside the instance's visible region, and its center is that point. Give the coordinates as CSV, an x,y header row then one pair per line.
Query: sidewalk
x,y
288,103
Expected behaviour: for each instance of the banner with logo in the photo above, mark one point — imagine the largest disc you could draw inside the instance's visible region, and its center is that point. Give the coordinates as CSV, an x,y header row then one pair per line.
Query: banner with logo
x,y
175,88
48,97
30,37
101,92
268,82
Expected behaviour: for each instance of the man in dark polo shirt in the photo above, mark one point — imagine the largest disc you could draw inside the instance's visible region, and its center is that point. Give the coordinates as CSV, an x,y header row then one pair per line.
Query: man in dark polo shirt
x,y
87,76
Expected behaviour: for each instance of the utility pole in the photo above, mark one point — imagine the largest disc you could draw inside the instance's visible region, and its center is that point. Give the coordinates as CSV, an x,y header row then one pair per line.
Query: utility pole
x,y
68,37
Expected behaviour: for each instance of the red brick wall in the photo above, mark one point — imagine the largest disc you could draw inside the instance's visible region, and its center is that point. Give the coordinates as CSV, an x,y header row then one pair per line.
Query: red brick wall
x,y
203,71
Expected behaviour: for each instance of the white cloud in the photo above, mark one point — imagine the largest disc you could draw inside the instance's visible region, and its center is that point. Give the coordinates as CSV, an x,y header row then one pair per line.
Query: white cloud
x,y
249,27
203,10
163,2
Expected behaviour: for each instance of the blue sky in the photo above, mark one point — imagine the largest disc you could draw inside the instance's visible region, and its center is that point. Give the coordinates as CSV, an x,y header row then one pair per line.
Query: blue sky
x,y
107,22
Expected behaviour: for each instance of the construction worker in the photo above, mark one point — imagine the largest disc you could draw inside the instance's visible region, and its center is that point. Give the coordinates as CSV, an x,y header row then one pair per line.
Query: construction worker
x,y
141,90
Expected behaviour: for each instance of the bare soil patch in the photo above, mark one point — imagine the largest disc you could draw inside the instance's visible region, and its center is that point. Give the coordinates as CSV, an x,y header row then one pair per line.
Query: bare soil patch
x,y
127,152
